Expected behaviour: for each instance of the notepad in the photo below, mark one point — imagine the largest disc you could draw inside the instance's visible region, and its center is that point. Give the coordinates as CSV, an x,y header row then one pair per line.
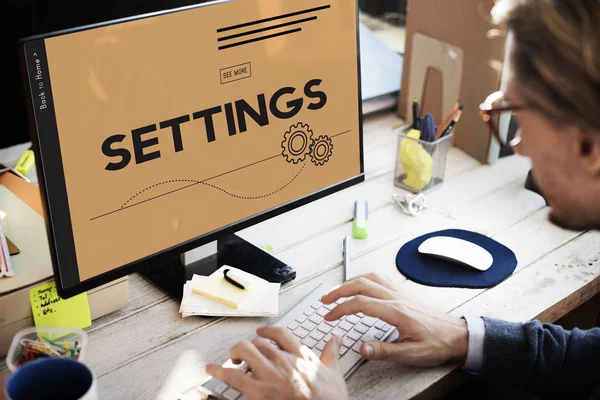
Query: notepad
x,y
212,296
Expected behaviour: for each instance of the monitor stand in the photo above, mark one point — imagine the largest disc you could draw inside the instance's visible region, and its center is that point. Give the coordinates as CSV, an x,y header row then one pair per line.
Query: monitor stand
x,y
171,275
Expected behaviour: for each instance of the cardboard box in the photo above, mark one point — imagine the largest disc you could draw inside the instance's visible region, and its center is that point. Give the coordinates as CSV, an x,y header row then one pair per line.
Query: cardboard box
x,y
463,24
25,226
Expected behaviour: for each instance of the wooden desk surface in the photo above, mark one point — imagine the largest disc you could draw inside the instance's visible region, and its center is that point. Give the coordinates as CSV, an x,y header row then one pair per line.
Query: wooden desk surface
x,y
147,351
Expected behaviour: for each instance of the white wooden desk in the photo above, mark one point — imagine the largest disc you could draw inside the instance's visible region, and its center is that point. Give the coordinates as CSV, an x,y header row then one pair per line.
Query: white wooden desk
x,y
148,351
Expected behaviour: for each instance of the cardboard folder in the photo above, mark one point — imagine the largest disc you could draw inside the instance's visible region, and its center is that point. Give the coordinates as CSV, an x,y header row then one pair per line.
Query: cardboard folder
x,y
464,25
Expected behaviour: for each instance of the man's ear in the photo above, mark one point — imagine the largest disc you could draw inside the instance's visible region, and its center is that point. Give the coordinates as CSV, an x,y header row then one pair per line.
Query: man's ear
x,y
589,152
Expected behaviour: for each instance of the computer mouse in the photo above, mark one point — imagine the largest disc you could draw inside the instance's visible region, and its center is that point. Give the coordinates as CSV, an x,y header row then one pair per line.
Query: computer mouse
x,y
458,251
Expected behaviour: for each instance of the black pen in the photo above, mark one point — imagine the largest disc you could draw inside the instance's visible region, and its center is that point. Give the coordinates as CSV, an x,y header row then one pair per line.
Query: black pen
x,y
415,108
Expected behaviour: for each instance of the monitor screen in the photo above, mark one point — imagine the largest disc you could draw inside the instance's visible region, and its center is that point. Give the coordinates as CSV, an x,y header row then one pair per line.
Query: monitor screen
x,y
155,134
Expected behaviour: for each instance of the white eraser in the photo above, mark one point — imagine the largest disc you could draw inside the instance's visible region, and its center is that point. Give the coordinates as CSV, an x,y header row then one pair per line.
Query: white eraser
x,y
241,277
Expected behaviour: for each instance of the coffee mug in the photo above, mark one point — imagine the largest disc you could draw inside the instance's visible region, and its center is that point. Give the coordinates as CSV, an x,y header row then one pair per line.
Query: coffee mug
x,y
52,378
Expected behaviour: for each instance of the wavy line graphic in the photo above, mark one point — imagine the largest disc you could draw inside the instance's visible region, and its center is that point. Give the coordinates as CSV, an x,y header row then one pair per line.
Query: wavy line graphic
x,y
194,182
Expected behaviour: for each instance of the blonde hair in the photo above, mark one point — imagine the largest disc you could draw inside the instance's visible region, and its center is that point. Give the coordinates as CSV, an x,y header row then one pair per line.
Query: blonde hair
x,y
556,57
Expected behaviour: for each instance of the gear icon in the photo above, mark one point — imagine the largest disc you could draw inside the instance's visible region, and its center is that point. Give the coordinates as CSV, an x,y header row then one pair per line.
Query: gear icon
x,y
321,149
296,143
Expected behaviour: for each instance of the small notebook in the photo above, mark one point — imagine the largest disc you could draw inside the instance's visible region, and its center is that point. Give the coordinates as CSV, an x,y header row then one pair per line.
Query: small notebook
x,y
214,292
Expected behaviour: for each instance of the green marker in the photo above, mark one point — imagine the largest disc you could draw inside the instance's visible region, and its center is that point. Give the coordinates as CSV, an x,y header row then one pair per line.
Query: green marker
x,y
359,226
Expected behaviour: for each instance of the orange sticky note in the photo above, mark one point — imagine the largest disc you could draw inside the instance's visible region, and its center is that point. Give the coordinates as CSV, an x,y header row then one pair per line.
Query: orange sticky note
x,y
49,309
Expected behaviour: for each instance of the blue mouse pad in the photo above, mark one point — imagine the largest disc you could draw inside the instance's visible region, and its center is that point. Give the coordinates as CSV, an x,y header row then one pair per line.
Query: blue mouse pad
x,y
432,271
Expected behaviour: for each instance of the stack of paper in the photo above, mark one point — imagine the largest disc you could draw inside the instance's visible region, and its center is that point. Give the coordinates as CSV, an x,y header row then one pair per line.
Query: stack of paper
x,y
214,296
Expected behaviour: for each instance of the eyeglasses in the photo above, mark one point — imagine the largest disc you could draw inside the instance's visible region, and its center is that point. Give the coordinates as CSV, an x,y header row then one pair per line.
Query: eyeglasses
x,y
497,113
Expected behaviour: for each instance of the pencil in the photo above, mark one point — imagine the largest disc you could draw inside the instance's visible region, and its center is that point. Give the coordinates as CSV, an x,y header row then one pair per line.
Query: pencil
x,y
452,123
446,121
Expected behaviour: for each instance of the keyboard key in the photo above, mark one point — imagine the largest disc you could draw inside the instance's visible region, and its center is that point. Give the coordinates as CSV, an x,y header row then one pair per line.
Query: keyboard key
x,y
315,319
356,347
348,342
231,394
317,335
360,315
322,311
330,306
338,332
309,326
309,312
343,350
386,327
353,319
221,388
324,327
301,318
361,328
379,324
345,326
370,335
317,352
309,342
368,321
301,332
320,345
327,337
317,305
379,335
333,323
354,335
349,360
340,300
293,326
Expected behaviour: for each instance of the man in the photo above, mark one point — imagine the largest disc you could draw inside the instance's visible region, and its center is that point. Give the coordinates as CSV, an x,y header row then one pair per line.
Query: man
x,y
554,93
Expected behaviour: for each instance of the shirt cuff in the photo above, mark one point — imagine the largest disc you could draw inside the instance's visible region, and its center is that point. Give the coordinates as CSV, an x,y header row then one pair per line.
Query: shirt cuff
x,y
476,329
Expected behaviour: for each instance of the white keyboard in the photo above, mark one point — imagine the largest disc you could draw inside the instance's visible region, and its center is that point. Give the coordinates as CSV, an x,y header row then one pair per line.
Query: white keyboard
x,y
305,321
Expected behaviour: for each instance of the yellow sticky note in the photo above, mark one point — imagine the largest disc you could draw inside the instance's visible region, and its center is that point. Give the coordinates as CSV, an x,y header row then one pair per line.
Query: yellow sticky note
x,y
49,309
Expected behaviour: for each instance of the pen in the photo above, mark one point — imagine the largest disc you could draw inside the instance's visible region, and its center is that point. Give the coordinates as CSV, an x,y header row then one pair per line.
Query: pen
x,y
415,109
346,253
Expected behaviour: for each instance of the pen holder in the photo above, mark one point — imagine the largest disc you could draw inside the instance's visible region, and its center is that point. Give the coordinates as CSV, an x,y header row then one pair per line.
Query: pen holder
x,y
420,165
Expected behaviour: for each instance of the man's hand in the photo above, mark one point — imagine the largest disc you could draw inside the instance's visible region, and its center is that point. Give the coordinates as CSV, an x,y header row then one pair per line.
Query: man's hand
x,y
291,372
428,337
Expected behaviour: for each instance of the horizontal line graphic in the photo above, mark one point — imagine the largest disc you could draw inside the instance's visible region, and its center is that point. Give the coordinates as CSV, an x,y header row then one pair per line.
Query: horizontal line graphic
x,y
266,29
243,42
260,21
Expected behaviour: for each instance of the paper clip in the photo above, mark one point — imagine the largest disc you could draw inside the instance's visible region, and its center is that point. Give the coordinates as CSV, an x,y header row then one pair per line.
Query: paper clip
x,y
411,204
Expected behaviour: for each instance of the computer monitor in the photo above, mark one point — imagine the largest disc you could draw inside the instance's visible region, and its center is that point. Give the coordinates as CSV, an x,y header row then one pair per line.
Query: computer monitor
x,y
160,133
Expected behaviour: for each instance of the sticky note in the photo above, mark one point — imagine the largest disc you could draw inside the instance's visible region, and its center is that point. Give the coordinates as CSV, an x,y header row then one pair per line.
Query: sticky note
x,y
49,309
215,287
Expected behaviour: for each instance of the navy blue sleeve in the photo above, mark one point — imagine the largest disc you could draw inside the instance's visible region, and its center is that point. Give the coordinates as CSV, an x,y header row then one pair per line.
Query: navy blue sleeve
x,y
542,358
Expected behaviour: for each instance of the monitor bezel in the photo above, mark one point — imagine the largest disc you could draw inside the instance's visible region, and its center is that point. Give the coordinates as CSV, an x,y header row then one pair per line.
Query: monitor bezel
x,y
51,175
